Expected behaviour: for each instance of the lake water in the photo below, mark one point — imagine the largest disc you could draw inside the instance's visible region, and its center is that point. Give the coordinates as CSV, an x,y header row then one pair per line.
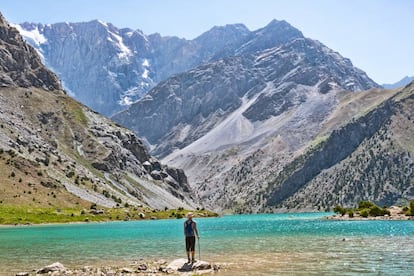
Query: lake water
x,y
266,244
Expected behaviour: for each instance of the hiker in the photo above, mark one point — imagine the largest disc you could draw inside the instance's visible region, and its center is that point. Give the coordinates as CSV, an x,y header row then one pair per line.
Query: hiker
x,y
190,232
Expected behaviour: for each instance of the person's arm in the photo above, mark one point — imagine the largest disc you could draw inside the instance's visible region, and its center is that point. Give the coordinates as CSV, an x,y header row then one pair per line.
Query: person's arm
x,y
196,231
184,228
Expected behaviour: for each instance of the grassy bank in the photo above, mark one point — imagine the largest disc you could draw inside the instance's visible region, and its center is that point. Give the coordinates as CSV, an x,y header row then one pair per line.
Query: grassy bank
x,y
21,215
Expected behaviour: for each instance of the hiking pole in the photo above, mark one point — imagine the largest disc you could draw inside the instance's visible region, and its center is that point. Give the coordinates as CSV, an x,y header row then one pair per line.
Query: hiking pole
x,y
199,250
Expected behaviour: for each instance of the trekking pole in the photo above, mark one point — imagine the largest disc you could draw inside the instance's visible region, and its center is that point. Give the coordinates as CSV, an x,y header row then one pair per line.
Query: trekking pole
x,y
199,250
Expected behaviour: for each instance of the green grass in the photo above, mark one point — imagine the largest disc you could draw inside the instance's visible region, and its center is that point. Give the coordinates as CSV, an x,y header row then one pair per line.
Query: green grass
x,y
14,215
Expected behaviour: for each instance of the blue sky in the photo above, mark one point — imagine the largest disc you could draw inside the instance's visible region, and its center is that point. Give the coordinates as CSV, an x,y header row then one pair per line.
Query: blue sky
x,y
377,35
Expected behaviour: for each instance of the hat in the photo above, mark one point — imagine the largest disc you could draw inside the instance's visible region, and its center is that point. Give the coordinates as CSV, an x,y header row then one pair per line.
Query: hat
x,y
189,215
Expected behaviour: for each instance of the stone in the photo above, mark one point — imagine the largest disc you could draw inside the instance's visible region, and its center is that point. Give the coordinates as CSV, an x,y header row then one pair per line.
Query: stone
x,y
142,267
181,265
23,274
51,268
127,270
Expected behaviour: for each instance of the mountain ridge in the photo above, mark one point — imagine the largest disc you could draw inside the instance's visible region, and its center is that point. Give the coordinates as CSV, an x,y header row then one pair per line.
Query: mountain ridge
x,y
133,62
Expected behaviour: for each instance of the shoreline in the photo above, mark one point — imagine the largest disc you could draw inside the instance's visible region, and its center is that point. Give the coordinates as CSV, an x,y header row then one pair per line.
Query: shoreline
x,y
396,214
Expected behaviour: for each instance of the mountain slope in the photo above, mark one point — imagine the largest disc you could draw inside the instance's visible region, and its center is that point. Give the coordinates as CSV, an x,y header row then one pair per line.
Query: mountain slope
x,y
56,152
259,87
370,158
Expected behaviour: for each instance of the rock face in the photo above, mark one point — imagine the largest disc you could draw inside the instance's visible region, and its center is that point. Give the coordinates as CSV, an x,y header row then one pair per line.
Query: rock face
x,y
20,66
108,68
61,153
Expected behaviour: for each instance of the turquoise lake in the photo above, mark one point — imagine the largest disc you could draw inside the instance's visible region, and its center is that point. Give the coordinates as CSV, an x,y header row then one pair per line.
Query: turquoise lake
x,y
266,244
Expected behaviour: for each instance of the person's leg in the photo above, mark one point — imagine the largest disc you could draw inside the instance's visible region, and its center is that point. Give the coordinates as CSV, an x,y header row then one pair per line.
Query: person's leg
x,y
188,248
193,249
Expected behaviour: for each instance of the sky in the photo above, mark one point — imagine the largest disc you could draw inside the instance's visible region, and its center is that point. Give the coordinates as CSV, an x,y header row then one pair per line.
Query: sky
x,y
377,35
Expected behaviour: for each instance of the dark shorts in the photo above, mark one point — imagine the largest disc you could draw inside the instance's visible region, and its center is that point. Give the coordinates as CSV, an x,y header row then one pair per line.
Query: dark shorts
x,y
190,243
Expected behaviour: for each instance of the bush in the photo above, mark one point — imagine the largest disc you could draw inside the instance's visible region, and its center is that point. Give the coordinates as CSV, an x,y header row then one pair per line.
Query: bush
x,y
365,204
412,208
375,211
179,216
339,209
364,213
350,213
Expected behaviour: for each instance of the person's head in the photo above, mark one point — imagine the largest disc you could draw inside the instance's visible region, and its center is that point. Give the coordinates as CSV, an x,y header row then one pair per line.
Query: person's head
x,y
189,215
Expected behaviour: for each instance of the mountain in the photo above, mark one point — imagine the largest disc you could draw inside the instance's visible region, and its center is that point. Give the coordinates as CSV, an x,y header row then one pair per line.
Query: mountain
x,y
404,81
108,68
252,87
235,123
57,152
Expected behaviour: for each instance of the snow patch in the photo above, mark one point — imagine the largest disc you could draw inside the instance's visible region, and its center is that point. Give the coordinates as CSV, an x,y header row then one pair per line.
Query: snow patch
x,y
103,23
145,74
145,63
125,52
34,35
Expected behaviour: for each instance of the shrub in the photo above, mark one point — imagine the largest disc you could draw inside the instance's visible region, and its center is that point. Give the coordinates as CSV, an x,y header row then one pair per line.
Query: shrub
x,y
70,174
364,213
412,207
339,209
350,213
365,204
375,211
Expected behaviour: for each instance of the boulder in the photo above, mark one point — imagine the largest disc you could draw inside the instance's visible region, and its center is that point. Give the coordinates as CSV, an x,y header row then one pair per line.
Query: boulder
x,y
182,265
51,268
127,270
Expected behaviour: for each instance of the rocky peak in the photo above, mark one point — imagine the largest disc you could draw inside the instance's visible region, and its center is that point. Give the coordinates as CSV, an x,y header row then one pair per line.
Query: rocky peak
x,y
20,65
275,34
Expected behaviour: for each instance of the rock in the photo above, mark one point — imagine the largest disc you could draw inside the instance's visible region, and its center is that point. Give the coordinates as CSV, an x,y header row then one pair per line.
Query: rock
x,y
51,268
142,267
23,274
181,265
127,270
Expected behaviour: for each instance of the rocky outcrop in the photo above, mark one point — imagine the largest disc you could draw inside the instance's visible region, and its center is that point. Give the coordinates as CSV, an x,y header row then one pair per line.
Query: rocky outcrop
x,y
20,65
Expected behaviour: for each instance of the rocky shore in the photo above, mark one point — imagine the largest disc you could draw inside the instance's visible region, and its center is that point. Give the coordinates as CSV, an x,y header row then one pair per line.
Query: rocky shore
x,y
176,267
396,213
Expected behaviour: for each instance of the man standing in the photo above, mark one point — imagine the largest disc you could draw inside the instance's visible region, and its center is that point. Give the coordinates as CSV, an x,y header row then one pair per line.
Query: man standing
x,y
190,231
